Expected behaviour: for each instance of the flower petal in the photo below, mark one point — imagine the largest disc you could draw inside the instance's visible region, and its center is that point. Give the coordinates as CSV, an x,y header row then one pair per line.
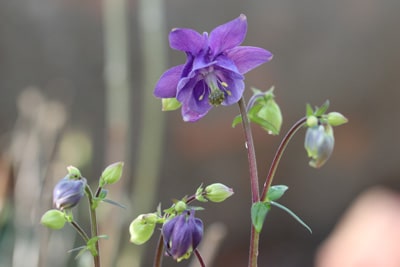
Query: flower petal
x,y
167,84
228,35
194,98
247,58
187,40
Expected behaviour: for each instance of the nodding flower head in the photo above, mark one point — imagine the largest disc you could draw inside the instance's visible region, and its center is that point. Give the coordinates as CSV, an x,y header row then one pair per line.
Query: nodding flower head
x,y
68,192
319,143
214,71
182,234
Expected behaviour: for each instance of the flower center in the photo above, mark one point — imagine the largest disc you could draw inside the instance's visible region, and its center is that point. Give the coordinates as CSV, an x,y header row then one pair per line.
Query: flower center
x,y
217,88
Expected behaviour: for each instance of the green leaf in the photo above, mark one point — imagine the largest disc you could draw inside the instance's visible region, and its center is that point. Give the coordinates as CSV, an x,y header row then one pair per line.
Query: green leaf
x,y
259,212
321,110
236,121
275,192
112,202
169,104
291,213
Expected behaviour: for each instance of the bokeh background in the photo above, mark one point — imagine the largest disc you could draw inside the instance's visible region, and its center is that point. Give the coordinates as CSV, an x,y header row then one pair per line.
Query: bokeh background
x,y
76,81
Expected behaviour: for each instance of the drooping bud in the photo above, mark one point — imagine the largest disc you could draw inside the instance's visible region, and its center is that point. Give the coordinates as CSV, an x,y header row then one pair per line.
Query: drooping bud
x,y
142,228
217,192
180,206
111,174
53,219
319,143
182,234
68,192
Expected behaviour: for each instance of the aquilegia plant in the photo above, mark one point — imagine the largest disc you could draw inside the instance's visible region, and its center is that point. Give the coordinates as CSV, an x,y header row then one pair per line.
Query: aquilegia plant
x,y
212,75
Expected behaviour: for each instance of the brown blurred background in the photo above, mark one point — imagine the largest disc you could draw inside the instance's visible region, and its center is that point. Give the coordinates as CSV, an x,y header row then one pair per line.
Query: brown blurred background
x,y
76,81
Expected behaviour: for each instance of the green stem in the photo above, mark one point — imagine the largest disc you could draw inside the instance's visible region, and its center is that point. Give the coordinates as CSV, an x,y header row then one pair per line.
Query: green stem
x,y
278,155
80,231
255,191
159,251
93,223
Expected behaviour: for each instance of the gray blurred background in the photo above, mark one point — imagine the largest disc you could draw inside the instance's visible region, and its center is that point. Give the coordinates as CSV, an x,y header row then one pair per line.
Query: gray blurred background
x,y
76,82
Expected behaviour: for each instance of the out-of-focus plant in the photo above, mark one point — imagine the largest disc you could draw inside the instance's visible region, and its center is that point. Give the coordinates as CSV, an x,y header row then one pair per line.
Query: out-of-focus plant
x,y
68,193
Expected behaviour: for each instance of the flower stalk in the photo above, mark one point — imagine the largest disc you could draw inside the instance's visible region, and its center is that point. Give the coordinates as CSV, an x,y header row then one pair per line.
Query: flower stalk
x,y
278,155
255,191
93,223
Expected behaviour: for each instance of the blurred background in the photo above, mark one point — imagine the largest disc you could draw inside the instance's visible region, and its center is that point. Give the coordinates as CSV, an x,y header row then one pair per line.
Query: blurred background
x,y
76,83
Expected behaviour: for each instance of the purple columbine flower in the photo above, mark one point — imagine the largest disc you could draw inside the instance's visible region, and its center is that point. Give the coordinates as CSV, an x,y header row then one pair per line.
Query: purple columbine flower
x,y
213,72
68,192
182,234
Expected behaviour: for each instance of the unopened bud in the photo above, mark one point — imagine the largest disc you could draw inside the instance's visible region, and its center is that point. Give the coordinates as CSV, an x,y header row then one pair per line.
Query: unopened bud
x,y
142,228
111,174
68,192
336,119
319,143
217,192
53,219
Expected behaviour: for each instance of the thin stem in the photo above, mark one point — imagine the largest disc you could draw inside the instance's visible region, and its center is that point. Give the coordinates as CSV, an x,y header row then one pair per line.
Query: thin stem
x,y
251,155
201,261
80,231
93,224
278,155
159,251
255,191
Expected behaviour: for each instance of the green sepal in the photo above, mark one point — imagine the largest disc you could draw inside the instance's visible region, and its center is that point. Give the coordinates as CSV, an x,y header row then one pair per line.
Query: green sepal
x,y
275,192
259,211
291,213
199,194
169,104
319,111
73,172
264,111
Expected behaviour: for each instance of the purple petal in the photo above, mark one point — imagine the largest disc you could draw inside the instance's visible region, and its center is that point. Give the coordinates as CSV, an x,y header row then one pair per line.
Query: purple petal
x,y
167,84
247,58
187,40
194,98
228,35
197,231
235,88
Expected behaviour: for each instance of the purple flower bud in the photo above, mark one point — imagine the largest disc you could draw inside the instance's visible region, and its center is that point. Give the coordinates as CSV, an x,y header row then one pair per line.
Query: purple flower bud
x,y
68,192
182,234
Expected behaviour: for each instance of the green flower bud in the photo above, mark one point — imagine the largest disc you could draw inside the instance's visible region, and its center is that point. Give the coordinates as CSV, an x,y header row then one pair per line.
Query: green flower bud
x,y
180,206
319,143
312,121
217,192
336,119
111,174
272,116
53,219
142,228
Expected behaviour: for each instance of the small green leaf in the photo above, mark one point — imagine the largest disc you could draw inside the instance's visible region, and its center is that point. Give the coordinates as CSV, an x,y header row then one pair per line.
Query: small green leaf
x,y
259,212
236,121
112,202
291,213
275,192
169,104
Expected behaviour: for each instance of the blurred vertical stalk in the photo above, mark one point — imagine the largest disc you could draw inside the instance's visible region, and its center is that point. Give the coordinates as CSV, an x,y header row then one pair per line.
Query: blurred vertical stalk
x,y
152,43
117,97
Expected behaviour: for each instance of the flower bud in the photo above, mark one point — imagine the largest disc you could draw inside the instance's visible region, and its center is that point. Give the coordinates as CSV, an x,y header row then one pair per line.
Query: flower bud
x,y
319,143
68,192
336,119
142,228
180,206
53,219
111,174
182,234
217,192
